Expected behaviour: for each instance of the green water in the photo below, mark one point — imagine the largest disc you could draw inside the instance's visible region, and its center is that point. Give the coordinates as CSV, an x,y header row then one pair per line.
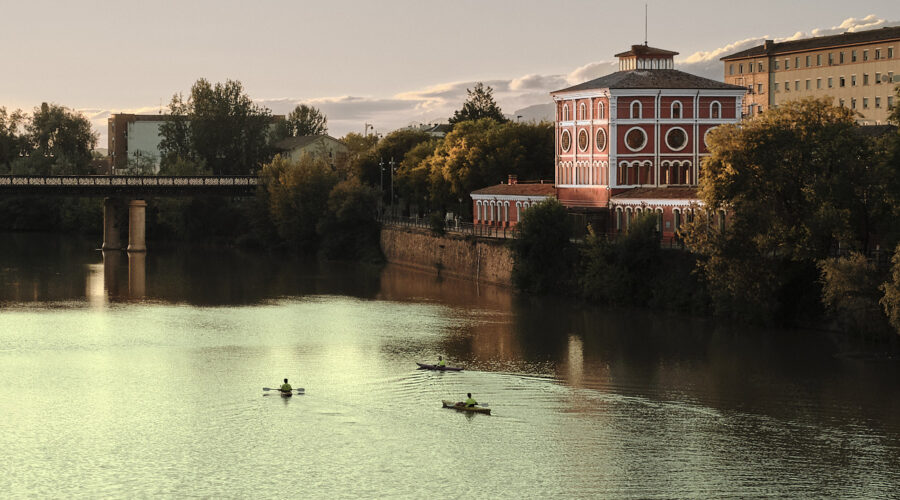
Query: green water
x,y
142,377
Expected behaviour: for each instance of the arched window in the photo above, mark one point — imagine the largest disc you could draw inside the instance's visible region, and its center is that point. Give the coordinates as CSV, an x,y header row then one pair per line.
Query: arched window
x,y
659,220
676,110
601,111
478,215
506,211
676,214
618,218
581,111
636,109
518,211
715,109
565,114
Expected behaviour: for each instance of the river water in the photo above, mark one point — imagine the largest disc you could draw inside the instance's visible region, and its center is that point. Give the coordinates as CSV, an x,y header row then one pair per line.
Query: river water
x,y
142,376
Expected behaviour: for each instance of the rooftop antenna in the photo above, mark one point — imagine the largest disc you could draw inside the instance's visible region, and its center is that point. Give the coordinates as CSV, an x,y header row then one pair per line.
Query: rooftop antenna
x,y
645,24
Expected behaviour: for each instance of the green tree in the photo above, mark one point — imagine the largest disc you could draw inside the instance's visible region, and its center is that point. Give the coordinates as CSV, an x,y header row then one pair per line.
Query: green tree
x,y
218,125
13,143
543,250
302,121
479,104
298,194
890,301
850,292
348,229
60,141
781,190
623,271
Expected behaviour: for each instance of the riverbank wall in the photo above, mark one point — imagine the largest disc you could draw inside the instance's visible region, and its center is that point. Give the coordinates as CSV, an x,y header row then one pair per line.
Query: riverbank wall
x,y
487,260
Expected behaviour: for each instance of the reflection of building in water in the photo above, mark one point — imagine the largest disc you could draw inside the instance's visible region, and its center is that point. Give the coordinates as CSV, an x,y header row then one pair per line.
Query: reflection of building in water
x,y
94,289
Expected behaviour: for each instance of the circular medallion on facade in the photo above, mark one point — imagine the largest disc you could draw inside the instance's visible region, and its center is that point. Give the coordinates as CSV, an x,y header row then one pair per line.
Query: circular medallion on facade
x,y
582,140
601,139
636,139
676,139
565,141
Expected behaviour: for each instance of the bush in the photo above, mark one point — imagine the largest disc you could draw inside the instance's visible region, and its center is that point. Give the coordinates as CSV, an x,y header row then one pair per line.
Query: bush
x,y
436,221
543,250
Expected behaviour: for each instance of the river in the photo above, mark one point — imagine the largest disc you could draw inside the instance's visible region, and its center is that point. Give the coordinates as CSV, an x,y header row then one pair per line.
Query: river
x,y
142,376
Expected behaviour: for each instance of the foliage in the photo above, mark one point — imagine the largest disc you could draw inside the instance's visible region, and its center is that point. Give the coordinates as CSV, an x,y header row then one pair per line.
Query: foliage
x,y
298,194
182,167
140,165
792,183
218,125
484,152
437,223
543,249
302,121
890,301
349,229
850,291
393,146
479,104
13,142
56,141
622,272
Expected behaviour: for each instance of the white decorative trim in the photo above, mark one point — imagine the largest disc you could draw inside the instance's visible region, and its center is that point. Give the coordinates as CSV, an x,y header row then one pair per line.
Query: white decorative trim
x,y
480,198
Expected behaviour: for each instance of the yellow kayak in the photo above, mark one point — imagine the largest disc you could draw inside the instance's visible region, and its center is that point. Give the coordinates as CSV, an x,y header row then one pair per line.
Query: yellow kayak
x,y
463,407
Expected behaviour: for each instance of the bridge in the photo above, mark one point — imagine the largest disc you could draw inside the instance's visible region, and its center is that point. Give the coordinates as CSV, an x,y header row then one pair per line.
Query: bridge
x,y
117,188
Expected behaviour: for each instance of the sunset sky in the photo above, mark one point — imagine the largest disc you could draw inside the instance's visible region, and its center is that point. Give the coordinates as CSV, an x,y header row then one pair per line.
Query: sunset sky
x,y
387,62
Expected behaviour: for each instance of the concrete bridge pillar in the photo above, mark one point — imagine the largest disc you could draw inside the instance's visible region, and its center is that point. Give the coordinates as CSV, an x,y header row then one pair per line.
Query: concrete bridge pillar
x,y
137,210
111,240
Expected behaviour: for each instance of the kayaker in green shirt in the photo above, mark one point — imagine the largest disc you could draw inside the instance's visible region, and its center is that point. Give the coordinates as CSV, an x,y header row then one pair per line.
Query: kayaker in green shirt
x,y
286,387
470,402
441,362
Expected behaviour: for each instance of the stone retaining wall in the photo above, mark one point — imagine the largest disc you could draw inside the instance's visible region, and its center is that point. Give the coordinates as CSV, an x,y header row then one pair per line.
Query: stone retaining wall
x,y
481,259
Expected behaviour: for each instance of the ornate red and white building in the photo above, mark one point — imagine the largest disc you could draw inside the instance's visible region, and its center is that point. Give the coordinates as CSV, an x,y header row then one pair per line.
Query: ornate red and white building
x,y
503,204
633,141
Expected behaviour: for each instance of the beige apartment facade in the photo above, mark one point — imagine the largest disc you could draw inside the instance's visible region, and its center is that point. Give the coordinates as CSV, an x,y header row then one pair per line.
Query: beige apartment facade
x,y
858,70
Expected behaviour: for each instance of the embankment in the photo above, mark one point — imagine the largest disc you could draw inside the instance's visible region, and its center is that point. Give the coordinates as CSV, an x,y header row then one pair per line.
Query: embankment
x,y
481,259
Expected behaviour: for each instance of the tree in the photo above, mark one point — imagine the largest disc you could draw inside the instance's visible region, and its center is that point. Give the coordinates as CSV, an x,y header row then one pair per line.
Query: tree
x,y
218,125
60,141
890,301
850,291
349,229
303,120
542,249
13,143
479,104
780,191
622,272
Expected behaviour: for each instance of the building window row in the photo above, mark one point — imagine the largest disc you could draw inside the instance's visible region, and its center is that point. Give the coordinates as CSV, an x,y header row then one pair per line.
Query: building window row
x,y
807,61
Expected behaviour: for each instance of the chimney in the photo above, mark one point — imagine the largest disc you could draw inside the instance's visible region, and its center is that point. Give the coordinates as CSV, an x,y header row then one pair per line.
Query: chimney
x,y
768,45
513,179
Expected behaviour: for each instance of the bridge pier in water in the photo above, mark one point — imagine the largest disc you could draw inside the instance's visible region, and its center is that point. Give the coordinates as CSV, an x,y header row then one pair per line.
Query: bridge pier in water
x,y
111,240
137,215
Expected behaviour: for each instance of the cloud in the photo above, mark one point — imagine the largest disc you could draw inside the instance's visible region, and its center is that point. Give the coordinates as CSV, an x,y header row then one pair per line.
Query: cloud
x,y
526,95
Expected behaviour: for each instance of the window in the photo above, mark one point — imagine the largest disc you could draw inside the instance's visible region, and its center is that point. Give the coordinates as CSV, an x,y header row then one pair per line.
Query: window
x,y
797,85
601,111
852,56
775,87
582,140
776,65
853,103
843,82
877,78
797,62
865,103
830,82
715,108
636,139
750,110
636,109
865,55
877,54
581,111
565,114
601,139
731,69
740,69
890,54
759,88
787,64
818,83
853,80
807,85
890,102
676,109
865,78
676,139
759,67
841,103
808,58
787,86
877,103
818,59
565,140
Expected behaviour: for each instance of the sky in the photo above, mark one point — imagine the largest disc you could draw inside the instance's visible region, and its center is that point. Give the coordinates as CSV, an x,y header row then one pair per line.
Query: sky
x,y
389,63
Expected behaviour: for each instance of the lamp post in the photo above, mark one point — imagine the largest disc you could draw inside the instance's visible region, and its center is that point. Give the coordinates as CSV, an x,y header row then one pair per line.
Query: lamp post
x,y
381,169
367,126
392,185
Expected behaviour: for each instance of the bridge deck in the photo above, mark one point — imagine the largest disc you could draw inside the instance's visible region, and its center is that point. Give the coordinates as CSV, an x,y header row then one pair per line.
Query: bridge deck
x,y
127,185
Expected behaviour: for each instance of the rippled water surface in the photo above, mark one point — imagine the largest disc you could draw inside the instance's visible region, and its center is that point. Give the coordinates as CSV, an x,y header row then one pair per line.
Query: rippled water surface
x,y
142,376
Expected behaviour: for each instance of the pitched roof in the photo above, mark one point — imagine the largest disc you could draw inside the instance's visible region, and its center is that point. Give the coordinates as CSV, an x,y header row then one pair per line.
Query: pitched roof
x,y
302,141
661,193
521,189
644,50
651,79
819,42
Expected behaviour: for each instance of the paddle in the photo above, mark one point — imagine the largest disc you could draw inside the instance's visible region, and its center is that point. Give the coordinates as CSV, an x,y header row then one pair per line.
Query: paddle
x,y
299,389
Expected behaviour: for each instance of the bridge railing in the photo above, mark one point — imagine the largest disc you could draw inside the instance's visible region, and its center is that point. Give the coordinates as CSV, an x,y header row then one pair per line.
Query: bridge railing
x,y
127,180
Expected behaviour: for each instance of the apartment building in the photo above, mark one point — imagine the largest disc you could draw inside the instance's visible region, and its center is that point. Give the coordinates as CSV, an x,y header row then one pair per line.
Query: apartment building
x,y
858,70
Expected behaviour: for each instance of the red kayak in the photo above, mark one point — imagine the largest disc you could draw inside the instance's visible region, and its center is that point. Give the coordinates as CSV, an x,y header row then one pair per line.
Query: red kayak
x,y
424,366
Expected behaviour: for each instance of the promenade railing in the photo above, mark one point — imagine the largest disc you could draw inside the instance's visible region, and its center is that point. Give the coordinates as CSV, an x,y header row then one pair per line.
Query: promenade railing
x,y
455,226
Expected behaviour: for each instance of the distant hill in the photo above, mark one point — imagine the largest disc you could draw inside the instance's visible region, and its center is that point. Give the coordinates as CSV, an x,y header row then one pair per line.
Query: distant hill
x,y
535,113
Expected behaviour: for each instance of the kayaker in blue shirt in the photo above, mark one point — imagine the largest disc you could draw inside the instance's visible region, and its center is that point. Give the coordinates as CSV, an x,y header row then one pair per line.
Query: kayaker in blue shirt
x,y
286,387
470,402
441,362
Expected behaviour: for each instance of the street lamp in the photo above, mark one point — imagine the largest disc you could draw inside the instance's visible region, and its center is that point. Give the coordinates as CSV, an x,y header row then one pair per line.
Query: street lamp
x,y
381,169
392,184
367,126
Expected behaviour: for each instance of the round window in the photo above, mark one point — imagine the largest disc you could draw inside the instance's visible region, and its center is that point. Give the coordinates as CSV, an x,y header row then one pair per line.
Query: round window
x,y
636,139
676,139
582,140
706,137
601,139
565,141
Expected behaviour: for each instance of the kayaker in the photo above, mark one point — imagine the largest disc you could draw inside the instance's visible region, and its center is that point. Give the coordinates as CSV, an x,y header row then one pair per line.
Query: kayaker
x,y
286,387
470,402
441,362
